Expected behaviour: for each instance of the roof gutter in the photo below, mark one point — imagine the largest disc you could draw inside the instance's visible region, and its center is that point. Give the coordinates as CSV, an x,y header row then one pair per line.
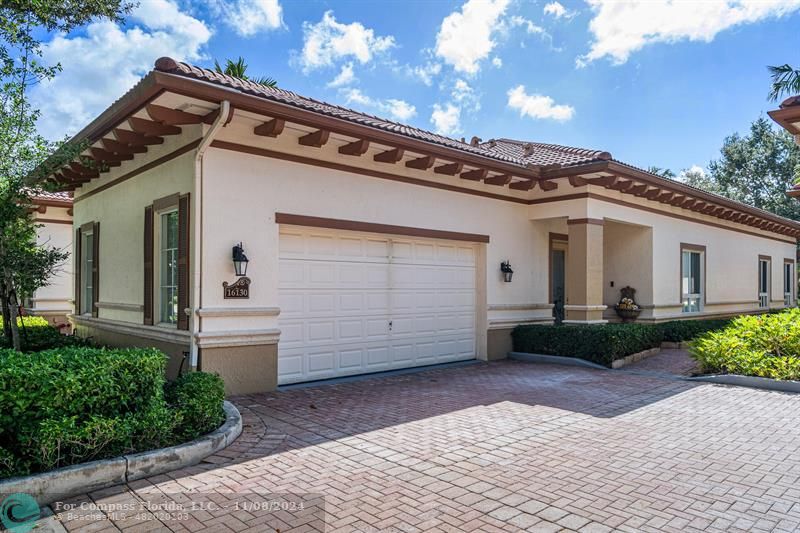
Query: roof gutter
x,y
222,120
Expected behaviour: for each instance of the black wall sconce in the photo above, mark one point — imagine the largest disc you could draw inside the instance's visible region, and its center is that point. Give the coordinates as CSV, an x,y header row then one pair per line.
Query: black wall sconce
x,y
505,268
240,260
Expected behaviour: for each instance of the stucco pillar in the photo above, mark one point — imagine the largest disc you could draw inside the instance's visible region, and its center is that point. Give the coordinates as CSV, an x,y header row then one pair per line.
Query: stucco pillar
x,y
585,272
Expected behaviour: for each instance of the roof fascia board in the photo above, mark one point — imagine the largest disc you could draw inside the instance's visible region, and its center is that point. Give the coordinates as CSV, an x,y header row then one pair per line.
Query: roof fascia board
x,y
784,117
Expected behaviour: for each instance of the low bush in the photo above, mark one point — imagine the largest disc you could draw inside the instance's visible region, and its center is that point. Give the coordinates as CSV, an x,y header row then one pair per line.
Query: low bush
x,y
76,404
600,344
686,330
197,400
36,334
764,346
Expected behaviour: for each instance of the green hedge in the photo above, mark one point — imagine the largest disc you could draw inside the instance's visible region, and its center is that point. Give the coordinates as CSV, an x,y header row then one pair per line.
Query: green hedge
x,y
36,334
601,344
197,399
764,346
606,343
76,404
686,330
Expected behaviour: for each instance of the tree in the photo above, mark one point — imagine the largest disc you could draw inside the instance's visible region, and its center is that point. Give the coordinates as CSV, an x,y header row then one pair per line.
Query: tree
x,y
785,81
758,168
24,265
238,69
663,172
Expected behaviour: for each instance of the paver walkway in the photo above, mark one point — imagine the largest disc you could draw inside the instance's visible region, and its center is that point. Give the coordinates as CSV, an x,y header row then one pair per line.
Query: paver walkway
x,y
505,446
669,361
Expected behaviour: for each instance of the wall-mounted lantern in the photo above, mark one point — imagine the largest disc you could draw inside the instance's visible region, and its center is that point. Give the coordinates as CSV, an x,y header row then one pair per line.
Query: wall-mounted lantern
x,y
240,260
505,268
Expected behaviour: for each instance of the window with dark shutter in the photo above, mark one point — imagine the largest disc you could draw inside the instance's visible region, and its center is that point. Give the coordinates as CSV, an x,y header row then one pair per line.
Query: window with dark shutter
x,y
183,262
77,268
95,268
148,265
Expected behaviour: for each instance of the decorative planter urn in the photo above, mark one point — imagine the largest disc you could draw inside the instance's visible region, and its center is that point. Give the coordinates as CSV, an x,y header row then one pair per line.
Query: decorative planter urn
x,y
627,308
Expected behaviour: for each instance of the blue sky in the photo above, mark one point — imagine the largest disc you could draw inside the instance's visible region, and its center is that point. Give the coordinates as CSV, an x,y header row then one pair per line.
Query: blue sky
x,y
655,83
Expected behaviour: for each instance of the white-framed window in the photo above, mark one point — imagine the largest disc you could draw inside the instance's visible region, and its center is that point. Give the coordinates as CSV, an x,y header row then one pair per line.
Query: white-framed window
x,y
788,285
692,274
763,282
87,276
168,267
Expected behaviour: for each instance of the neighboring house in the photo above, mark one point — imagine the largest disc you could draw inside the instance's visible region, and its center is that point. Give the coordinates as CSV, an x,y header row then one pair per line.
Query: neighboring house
x,y
53,212
374,245
788,116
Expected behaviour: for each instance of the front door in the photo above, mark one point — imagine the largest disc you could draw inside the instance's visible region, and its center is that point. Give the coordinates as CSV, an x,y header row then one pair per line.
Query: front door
x,y
558,287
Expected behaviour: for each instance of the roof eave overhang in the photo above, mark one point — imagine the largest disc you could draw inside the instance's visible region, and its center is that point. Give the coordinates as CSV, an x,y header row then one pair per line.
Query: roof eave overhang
x,y
785,117
619,169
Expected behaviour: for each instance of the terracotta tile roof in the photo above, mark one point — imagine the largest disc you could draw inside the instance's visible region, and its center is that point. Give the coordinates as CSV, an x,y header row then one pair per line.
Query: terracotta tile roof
x,y
791,101
62,196
506,150
544,154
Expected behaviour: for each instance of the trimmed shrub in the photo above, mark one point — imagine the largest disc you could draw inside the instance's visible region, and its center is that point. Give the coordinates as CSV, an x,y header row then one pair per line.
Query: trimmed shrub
x,y
686,330
601,344
76,404
36,334
764,346
197,401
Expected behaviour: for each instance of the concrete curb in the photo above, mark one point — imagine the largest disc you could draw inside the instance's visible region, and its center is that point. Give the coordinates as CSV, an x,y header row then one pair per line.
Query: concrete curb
x,y
749,381
554,360
61,483
635,358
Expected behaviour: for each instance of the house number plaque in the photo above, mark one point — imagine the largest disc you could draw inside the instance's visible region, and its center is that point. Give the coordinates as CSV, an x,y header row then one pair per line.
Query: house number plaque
x,y
239,290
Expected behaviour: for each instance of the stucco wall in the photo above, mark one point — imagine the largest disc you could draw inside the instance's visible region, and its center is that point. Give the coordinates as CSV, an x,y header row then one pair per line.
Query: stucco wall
x,y
120,211
55,300
627,261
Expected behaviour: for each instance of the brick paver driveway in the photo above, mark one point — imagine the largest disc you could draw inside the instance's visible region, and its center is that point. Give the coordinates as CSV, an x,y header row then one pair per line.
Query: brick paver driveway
x,y
503,446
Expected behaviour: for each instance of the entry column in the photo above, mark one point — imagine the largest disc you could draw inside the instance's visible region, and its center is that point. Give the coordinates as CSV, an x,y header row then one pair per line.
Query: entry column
x,y
585,272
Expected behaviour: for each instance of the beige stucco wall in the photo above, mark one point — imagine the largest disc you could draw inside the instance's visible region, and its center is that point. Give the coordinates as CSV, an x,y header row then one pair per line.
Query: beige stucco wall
x,y
120,211
627,261
54,301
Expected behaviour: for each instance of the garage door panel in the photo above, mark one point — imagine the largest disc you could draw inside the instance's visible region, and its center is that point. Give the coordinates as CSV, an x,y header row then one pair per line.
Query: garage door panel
x,y
339,291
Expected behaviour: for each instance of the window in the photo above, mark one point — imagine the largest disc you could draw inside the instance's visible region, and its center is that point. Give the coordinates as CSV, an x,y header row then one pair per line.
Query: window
x,y
763,282
87,276
168,261
692,280
788,286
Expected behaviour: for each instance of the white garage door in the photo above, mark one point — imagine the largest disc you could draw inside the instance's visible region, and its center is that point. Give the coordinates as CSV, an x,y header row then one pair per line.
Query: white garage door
x,y
353,303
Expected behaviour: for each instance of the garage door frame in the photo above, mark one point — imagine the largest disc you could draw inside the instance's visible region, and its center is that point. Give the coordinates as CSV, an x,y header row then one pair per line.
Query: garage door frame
x,y
481,241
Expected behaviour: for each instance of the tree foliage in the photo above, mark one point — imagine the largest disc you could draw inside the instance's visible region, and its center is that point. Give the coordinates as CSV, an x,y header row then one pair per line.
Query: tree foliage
x,y
758,168
785,81
238,69
24,265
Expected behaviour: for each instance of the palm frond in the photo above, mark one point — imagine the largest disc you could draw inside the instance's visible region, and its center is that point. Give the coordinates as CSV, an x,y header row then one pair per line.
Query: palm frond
x,y
267,81
785,80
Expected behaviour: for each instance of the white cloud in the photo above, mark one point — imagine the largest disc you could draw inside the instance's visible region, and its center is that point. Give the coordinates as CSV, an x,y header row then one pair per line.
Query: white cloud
x,y
397,109
329,41
100,66
529,26
345,76
465,37
248,17
555,9
446,120
537,105
621,28
424,73
497,62
465,96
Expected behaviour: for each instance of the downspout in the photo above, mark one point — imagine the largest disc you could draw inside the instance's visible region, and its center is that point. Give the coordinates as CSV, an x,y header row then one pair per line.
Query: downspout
x,y
197,286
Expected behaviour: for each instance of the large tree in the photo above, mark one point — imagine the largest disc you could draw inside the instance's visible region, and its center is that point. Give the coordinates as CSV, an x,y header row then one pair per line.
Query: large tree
x,y
24,265
758,168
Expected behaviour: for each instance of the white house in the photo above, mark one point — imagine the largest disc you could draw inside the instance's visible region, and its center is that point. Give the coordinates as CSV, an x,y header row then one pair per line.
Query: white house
x,y
374,245
53,213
